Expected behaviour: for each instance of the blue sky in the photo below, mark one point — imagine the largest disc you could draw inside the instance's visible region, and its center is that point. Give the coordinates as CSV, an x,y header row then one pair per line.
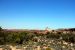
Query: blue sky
x,y
37,14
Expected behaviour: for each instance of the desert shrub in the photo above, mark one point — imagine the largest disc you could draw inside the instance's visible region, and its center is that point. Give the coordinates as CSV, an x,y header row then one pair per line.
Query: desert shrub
x,y
48,48
69,37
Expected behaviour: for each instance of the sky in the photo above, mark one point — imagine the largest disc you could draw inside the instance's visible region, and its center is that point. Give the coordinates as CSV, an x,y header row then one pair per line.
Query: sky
x,y
37,14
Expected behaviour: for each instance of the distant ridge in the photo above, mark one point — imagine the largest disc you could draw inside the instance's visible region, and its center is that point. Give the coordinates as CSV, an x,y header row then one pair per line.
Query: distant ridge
x,y
62,29
67,29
